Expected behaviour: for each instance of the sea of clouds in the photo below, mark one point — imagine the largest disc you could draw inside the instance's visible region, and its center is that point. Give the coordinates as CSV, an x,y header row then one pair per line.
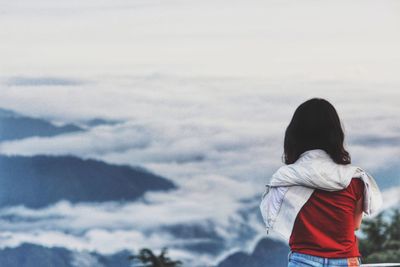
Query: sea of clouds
x,y
218,142
203,91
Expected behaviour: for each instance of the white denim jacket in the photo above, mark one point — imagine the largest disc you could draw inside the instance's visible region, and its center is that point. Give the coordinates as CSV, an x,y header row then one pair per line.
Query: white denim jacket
x,y
292,185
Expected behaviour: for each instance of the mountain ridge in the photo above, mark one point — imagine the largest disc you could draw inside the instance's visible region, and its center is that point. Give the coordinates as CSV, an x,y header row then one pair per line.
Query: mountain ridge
x,y
42,180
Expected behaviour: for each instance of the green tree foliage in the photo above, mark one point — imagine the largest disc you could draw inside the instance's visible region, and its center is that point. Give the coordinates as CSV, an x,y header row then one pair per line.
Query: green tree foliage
x,y
149,259
382,239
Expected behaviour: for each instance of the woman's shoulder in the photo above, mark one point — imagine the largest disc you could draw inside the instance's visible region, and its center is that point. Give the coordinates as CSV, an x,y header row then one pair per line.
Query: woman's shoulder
x,y
356,181
356,186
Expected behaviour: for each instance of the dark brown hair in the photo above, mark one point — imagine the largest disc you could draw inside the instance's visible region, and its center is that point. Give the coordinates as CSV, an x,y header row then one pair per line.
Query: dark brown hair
x,y
315,125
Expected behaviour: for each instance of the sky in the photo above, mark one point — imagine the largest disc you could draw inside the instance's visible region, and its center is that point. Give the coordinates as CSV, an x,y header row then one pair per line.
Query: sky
x,y
336,40
204,90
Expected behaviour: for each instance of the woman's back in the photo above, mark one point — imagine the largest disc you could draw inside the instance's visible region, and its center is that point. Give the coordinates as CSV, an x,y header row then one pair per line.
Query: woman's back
x,y
325,224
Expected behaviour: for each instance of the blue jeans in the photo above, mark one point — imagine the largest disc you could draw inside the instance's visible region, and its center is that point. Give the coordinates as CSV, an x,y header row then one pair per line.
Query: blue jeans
x,y
304,260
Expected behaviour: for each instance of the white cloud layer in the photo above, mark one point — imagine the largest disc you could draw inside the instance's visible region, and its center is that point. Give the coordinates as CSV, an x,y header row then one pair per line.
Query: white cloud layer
x,y
219,140
111,227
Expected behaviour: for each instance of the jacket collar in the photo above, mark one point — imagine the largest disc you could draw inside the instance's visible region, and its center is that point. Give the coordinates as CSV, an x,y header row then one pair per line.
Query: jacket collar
x,y
314,153
314,169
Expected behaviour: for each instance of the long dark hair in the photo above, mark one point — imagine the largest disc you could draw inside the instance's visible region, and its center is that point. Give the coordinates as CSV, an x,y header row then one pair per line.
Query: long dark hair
x,y
315,125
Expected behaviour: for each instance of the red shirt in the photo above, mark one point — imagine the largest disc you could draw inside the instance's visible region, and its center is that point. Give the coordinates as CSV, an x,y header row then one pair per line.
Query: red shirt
x,y
324,226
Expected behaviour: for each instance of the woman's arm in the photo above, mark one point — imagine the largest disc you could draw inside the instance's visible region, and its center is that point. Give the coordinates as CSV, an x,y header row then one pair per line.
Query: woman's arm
x,y
358,214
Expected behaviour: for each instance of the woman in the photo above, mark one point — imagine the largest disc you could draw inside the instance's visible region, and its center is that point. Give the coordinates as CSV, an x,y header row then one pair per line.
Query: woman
x,y
316,201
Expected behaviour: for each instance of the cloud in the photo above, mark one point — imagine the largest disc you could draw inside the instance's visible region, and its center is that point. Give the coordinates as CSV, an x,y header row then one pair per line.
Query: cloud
x,y
218,139
111,227
278,39
98,140
382,156
391,198
185,126
189,204
42,81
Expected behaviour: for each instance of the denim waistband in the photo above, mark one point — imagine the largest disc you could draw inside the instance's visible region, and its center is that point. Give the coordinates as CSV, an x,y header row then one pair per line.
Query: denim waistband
x,y
322,260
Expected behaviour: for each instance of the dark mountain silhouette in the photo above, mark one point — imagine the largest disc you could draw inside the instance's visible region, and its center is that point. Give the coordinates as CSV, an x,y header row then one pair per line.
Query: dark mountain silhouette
x,y
268,253
15,126
30,255
99,121
33,255
42,180
211,242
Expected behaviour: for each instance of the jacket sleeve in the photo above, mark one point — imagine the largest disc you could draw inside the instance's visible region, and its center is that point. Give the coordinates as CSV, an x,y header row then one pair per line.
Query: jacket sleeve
x,y
271,202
